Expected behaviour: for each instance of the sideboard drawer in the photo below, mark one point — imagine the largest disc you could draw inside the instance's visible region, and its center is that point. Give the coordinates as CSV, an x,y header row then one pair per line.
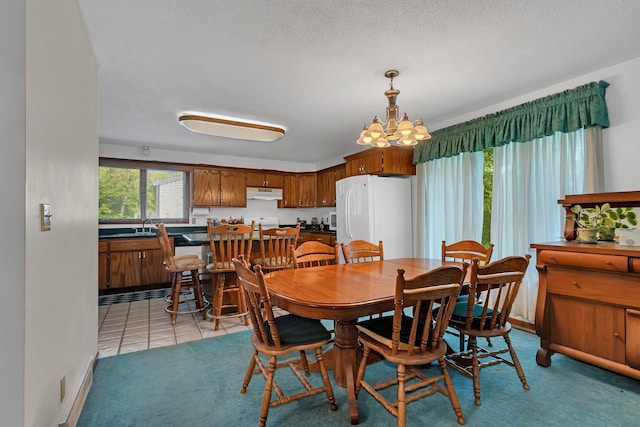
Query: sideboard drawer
x,y
621,289
577,259
634,264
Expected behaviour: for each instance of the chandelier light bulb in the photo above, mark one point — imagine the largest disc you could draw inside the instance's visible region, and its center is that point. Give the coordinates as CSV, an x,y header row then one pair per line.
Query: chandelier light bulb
x,y
376,130
407,141
421,131
365,138
381,142
405,128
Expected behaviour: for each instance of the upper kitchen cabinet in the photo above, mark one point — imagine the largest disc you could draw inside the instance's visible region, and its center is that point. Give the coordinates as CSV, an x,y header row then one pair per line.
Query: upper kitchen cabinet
x,y
299,191
218,187
382,161
267,179
326,185
341,172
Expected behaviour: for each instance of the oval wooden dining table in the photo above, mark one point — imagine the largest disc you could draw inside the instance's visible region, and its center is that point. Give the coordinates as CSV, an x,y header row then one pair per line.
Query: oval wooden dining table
x,y
344,293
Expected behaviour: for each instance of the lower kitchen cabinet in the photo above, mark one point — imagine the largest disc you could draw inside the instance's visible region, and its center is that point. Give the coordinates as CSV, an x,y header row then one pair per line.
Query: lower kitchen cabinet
x,y
103,266
133,262
326,238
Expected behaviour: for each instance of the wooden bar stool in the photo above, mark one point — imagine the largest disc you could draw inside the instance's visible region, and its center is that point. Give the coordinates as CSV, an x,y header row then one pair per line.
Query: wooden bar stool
x,y
177,265
275,247
227,241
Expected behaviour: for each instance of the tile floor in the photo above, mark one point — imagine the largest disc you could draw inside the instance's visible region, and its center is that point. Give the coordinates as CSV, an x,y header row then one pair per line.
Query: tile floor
x,y
139,325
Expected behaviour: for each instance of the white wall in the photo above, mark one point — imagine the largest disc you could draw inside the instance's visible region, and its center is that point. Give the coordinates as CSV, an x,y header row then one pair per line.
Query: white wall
x,y
61,169
621,146
12,194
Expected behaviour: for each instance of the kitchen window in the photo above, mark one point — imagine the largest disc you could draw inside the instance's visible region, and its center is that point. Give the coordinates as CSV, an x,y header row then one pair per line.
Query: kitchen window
x,y
132,191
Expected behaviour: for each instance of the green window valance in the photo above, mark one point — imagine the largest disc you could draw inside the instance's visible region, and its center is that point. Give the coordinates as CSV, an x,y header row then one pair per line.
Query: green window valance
x,y
566,111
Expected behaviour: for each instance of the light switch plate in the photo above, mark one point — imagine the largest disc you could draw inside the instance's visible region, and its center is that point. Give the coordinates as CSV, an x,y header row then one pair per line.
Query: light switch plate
x,y
45,217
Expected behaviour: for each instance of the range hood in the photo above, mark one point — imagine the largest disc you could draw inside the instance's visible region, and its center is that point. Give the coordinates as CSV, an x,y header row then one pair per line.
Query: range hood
x,y
256,193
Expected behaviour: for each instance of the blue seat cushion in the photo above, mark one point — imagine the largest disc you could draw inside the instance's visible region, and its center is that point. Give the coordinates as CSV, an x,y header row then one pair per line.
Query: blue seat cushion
x,y
460,315
296,330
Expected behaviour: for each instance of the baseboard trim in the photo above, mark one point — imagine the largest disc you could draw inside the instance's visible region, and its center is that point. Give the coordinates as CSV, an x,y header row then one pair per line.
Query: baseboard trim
x,y
523,324
73,408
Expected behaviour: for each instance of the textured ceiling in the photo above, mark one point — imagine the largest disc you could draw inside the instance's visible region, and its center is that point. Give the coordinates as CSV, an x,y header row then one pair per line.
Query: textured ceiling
x,y
317,67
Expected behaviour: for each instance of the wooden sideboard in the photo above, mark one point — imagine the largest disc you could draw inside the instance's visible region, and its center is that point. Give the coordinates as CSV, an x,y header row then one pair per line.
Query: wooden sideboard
x,y
588,303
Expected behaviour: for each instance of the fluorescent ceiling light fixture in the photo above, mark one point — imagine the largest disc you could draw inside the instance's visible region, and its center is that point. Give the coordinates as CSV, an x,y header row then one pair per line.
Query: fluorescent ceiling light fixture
x,y
227,128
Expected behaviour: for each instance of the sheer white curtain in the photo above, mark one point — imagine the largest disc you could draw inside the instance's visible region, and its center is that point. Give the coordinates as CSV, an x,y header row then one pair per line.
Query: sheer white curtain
x,y
529,179
450,201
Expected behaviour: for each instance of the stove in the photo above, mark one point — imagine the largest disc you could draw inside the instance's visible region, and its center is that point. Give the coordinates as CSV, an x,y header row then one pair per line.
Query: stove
x,y
266,221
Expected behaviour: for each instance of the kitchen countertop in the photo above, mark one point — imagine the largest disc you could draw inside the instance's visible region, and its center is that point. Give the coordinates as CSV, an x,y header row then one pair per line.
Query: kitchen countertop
x,y
184,236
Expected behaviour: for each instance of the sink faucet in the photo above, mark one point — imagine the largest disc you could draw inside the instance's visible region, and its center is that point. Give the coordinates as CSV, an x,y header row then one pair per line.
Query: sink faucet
x,y
144,222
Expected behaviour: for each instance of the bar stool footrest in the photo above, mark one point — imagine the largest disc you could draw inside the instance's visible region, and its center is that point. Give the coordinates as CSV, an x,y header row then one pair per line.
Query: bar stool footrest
x,y
211,315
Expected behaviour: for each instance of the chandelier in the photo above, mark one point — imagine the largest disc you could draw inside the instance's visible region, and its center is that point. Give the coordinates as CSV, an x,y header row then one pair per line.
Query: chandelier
x,y
403,132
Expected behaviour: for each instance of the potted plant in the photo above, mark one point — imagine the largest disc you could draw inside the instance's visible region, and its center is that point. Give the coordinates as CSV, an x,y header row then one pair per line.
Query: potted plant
x,y
600,222
589,221
621,218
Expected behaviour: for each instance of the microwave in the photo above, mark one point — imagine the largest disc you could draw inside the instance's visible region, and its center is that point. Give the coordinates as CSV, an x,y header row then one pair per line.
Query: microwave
x,y
333,221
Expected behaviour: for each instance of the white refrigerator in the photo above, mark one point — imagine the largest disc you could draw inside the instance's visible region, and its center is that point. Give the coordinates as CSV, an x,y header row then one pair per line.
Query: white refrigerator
x,y
374,208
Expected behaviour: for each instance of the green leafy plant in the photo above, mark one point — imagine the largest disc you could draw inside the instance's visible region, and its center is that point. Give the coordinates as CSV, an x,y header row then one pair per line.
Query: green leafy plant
x,y
604,219
622,217
592,218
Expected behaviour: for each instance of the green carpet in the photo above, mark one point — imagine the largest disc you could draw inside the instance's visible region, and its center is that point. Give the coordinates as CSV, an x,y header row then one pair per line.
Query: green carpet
x,y
198,384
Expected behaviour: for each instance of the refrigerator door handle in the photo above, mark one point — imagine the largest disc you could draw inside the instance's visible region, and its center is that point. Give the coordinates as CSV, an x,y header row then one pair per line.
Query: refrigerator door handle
x,y
347,217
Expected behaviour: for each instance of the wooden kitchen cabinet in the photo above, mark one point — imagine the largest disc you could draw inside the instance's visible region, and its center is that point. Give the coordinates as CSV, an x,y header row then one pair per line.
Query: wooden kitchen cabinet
x,y
135,262
103,264
266,179
341,172
218,187
326,238
326,185
299,191
306,190
381,161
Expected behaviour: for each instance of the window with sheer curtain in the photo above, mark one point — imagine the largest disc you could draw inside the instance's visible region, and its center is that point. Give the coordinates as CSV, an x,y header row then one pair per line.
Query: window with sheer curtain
x,y
543,151
529,179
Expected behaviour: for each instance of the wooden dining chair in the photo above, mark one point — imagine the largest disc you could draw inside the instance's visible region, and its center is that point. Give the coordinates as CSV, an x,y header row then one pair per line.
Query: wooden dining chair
x,y
313,254
500,280
227,241
185,275
466,251
362,251
279,336
409,341
358,251
275,247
